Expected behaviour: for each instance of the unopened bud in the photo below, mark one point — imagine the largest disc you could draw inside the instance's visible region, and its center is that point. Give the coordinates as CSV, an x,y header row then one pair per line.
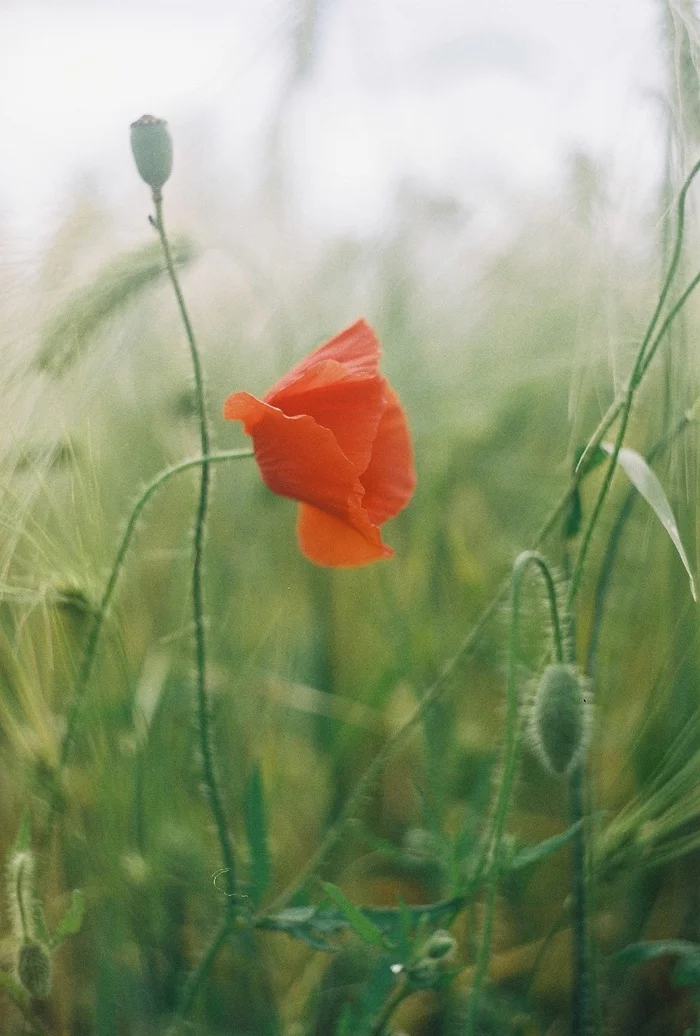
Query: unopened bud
x,y
558,726
152,148
34,969
440,944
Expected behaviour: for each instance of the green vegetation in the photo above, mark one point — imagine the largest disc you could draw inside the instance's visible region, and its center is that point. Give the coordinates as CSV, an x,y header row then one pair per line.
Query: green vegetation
x,y
446,815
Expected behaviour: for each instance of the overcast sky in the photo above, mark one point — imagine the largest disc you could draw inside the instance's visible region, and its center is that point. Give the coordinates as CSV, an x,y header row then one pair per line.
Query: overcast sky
x,y
471,98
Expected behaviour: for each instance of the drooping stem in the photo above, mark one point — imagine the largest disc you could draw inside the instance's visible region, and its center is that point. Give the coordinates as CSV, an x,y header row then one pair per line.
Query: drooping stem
x,y
99,616
513,726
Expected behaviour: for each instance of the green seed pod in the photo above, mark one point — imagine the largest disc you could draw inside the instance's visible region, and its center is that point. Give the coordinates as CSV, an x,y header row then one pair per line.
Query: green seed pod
x,y
558,726
34,969
152,148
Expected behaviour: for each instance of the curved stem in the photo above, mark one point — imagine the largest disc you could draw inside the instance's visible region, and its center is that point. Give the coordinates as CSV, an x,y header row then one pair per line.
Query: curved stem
x,y
492,846
642,362
203,707
430,697
100,615
645,355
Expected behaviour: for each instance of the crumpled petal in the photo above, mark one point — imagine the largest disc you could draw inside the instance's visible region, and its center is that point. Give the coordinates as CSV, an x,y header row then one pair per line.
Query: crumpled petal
x,y
300,459
327,540
390,479
350,406
356,348
332,435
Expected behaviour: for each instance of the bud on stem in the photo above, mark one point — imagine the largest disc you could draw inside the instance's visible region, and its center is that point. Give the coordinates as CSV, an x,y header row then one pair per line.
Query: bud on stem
x,y
152,148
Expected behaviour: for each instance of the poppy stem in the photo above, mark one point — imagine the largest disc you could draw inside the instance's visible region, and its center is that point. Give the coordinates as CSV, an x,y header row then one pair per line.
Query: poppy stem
x,y
100,614
203,704
491,855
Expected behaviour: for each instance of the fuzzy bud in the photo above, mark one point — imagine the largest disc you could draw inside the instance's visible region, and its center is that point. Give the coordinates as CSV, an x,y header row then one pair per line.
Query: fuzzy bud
x,y
152,148
558,725
34,969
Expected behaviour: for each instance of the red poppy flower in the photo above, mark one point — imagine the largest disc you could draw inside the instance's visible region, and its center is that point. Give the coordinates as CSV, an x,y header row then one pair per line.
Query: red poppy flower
x,y
332,434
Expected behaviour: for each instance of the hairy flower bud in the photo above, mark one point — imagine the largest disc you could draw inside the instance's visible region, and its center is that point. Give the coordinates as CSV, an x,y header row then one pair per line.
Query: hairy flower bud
x,y
152,147
34,969
558,726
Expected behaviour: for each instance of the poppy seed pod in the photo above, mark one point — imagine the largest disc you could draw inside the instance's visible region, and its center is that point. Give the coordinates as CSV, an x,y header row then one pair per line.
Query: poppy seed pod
x,y
152,148
558,725
34,969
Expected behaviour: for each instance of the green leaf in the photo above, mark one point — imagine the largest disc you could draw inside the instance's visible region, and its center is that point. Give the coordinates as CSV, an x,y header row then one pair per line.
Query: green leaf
x,y
23,841
256,833
72,920
687,971
534,853
645,481
14,990
638,952
360,924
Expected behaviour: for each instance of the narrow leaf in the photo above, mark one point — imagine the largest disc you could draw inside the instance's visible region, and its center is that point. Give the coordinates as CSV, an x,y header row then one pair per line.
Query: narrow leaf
x,y
534,853
22,842
645,481
72,920
638,952
14,990
256,833
361,925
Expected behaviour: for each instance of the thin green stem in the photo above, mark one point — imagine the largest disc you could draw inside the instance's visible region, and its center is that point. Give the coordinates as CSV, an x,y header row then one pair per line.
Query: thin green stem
x,y
100,614
642,362
194,982
430,697
398,995
492,845
579,919
203,707
614,539
645,354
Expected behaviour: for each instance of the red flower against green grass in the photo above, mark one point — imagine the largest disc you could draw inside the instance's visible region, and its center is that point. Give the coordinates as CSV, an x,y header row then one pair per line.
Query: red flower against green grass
x,y
332,434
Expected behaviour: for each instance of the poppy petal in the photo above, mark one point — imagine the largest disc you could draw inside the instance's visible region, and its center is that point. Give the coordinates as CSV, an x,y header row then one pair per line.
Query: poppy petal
x,y
297,457
327,540
350,406
356,348
390,479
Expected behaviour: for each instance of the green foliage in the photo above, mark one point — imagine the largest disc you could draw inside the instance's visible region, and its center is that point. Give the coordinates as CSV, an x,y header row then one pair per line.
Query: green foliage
x,y
118,285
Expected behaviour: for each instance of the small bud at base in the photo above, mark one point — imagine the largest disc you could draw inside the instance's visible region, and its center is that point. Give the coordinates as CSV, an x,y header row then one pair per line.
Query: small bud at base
x,y
152,148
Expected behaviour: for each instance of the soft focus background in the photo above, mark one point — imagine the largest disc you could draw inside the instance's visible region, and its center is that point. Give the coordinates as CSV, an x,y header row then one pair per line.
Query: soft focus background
x,y
488,185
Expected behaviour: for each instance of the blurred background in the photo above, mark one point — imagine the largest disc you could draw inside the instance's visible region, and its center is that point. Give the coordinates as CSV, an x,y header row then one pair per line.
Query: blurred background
x,y
488,185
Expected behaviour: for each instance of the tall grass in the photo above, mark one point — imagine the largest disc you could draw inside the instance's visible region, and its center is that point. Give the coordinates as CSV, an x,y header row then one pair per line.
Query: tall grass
x,y
355,718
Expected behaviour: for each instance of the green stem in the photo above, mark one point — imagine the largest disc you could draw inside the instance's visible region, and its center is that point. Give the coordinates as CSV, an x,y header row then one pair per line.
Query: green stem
x,y
430,697
645,355
642,363
492,844
581,990
100,615
399,994
203,706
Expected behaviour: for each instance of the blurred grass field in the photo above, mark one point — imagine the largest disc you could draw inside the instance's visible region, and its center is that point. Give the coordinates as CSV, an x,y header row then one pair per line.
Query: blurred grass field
x,y
505,361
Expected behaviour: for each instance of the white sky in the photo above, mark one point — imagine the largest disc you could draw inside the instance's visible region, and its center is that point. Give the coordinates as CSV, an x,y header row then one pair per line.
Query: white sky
x,y
473,98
